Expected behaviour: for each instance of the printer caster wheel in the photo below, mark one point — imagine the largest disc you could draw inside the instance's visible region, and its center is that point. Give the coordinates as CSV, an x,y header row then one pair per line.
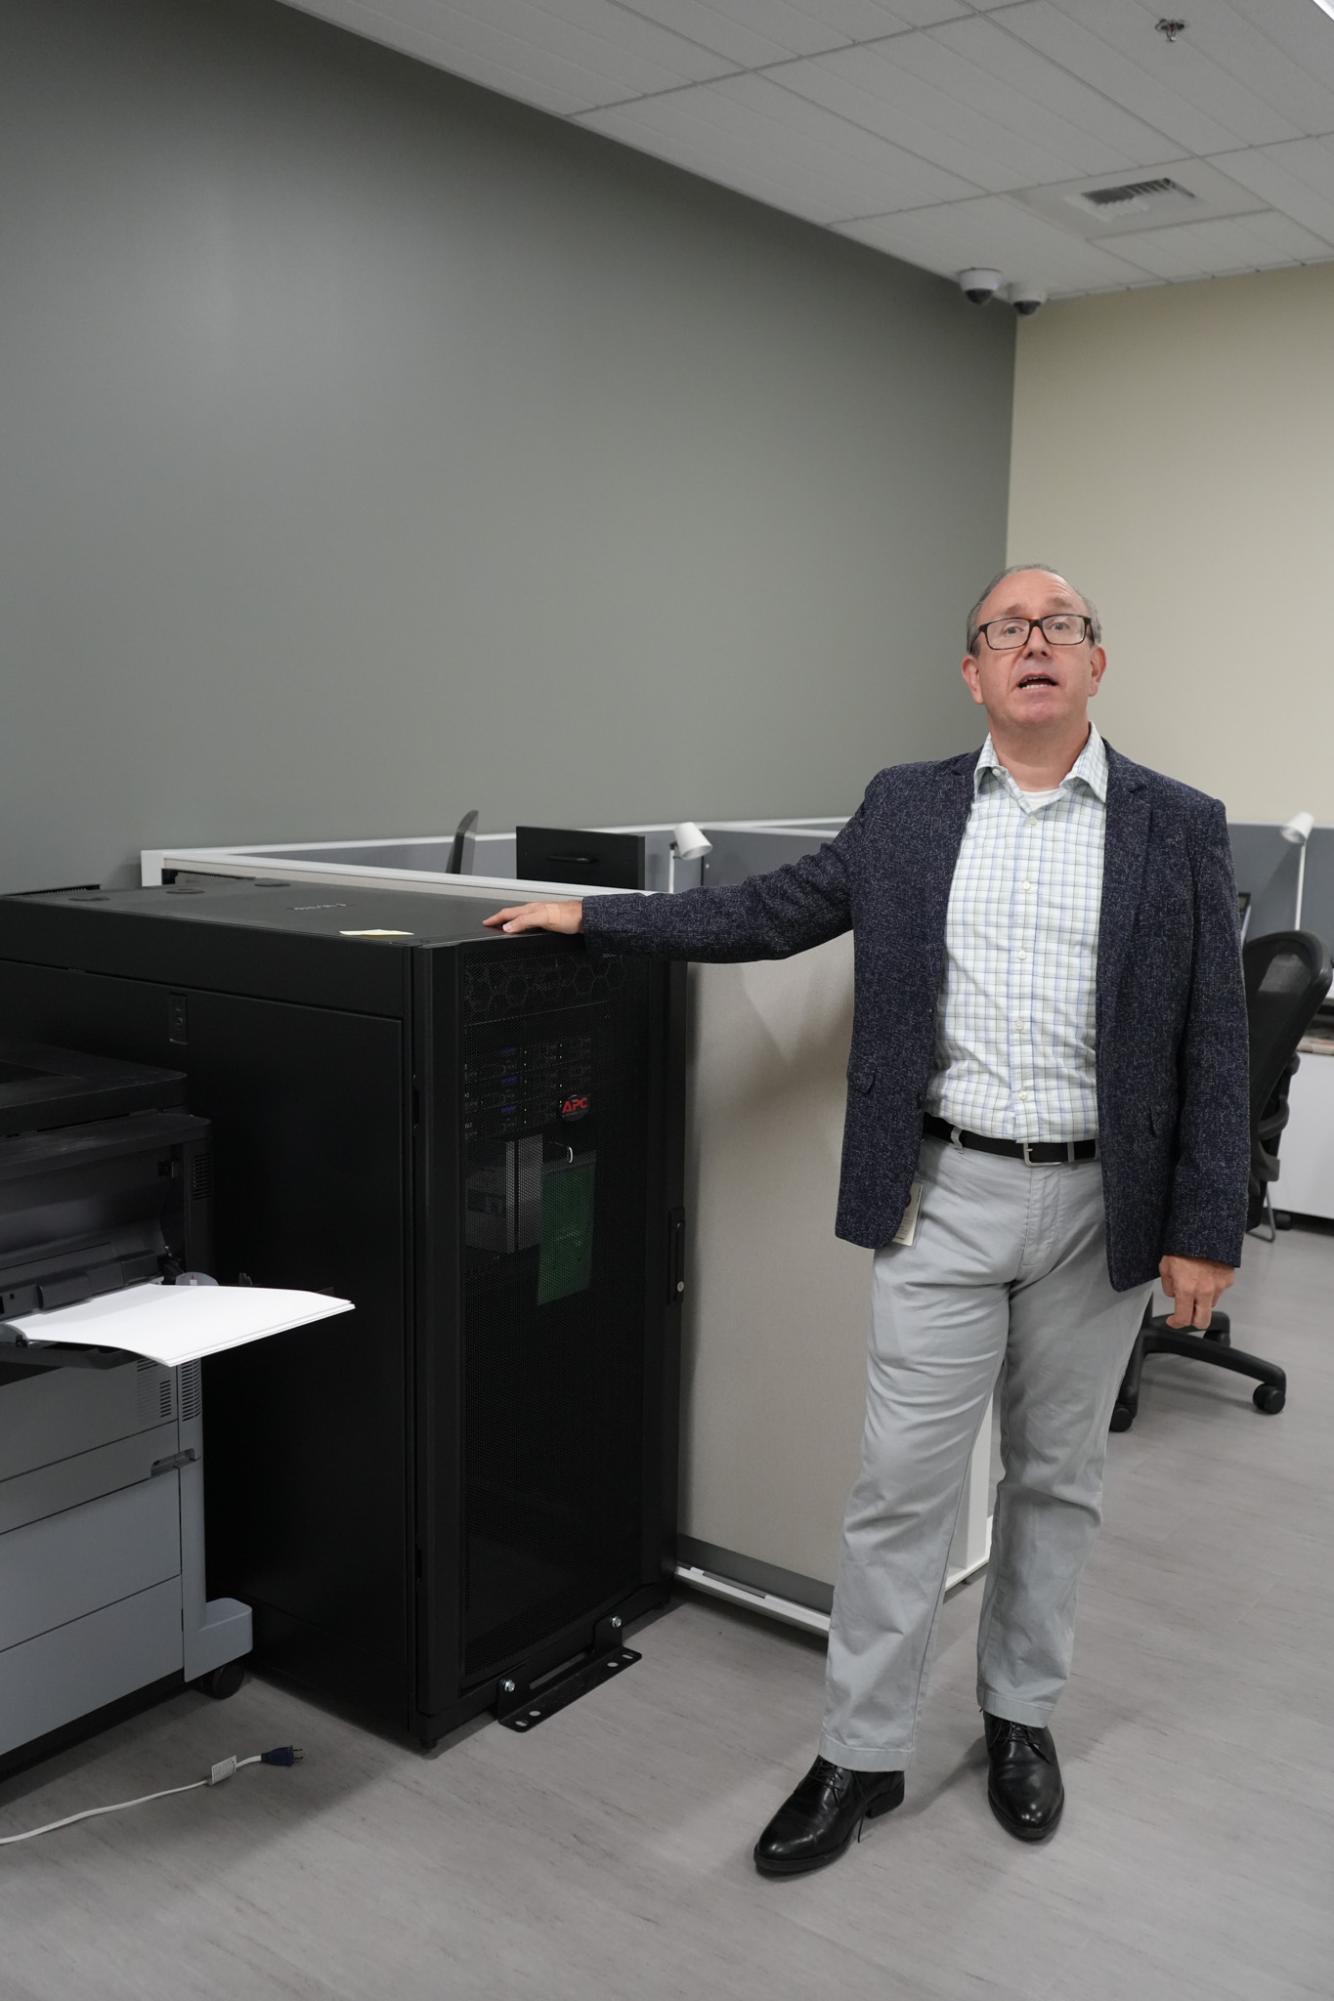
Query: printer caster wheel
x,y
222,1681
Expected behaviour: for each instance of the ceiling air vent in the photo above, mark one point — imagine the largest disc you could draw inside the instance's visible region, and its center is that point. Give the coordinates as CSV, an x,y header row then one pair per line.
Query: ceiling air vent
x,y
1132,198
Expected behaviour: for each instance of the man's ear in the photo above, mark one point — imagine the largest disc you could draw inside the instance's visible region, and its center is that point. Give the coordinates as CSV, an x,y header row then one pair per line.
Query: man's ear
x,y
972,675
1097,667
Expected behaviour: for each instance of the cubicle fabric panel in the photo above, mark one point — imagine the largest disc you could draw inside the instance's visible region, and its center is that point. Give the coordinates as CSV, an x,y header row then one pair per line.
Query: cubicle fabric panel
x,y
1267,866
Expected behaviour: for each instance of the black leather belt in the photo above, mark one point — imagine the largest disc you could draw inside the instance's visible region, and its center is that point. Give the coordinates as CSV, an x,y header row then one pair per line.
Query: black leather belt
x,y
1035,1153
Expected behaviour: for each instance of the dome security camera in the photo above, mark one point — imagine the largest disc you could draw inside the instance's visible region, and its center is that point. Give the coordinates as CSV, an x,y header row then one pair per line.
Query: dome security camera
x,y
980,285
1026,299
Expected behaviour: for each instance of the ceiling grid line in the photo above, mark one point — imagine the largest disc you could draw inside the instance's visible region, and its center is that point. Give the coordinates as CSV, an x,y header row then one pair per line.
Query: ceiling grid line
x,y
944,132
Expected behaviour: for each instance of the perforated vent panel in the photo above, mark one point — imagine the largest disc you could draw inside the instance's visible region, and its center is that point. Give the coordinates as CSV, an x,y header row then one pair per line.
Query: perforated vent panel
x,y
191,1390
556,1134
157,1392
502,984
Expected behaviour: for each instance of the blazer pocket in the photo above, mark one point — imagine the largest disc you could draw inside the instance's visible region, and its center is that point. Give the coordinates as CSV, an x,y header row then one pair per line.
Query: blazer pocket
x,y
861,1076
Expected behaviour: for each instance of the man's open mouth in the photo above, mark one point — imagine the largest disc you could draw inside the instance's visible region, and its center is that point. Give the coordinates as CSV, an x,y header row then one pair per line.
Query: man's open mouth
x,y
1037,681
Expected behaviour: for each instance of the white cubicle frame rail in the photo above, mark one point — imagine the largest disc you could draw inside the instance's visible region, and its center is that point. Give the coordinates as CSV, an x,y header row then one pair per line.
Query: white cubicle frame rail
x,y
300,860
308,862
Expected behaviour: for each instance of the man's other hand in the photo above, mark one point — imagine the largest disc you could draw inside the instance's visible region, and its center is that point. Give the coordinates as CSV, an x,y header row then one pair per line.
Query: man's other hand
x,y
567,917
1195,1286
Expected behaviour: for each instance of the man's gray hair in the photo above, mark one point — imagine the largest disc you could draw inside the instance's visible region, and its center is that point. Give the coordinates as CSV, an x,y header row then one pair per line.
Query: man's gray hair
x,y
1013,570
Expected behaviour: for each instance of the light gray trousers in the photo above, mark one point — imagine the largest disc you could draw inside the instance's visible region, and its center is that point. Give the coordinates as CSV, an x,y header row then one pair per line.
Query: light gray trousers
x,y
1006,1281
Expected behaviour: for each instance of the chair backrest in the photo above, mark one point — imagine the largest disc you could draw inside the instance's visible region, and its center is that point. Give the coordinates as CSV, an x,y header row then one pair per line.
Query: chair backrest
x,y
1287,976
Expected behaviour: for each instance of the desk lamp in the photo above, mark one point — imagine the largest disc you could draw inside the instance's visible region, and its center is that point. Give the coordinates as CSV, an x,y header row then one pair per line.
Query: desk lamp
x,y
1298,831
689,843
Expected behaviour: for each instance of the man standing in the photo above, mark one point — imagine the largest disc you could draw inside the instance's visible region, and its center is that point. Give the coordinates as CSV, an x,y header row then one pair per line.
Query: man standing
x,y
1047,1113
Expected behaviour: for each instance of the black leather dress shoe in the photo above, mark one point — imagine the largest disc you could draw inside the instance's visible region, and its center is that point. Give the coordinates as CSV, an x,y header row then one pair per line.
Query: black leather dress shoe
x,y
1024,1781
816,1822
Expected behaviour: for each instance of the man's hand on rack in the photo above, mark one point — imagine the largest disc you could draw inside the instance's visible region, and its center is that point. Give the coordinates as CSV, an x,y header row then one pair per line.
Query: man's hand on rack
x,y
1195,1286
566,917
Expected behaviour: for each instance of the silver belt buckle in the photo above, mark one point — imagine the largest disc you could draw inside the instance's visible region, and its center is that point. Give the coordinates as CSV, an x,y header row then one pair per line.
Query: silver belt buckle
x,y
1068,1144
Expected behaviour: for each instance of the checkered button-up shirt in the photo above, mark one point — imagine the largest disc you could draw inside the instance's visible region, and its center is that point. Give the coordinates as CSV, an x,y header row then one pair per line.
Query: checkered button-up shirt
x,y
1015,1037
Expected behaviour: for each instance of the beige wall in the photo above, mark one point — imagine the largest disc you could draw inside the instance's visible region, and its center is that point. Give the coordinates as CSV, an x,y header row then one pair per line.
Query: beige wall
x,y
1174,455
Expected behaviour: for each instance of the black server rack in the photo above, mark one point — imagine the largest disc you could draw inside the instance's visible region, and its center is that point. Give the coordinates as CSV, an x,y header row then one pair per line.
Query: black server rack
x,y
437,1503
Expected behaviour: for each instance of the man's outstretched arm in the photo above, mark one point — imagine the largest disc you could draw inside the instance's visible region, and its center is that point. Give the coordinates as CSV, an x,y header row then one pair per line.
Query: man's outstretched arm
x,y
771,916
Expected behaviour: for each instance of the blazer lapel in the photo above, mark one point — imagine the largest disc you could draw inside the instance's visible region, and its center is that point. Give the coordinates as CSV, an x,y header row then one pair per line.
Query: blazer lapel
x,y
948,809
1124,851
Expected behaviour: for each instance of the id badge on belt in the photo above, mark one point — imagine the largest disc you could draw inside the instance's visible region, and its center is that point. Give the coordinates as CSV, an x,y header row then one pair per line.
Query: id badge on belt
x,y
907,1229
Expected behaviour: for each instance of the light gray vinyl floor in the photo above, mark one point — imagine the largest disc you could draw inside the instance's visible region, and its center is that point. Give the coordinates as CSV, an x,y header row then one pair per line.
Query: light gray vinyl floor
x,y
608,1855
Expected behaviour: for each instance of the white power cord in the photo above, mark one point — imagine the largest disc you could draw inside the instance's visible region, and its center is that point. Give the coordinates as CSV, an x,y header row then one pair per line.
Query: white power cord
x,y
285,1754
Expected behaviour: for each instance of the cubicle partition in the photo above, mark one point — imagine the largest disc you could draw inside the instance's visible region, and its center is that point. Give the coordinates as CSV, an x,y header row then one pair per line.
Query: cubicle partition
x,y
1268,868
776,1311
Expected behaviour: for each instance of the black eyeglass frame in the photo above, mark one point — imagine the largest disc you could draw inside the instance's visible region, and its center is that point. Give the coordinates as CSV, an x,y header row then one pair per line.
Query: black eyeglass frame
x,y
1041,625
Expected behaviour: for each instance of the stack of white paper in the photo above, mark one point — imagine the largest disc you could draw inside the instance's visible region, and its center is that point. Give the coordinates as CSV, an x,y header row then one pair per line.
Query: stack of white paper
x,y
173,1324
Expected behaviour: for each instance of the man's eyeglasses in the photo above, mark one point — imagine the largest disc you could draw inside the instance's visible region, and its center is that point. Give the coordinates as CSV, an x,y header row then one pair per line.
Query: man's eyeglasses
x,y
1058,628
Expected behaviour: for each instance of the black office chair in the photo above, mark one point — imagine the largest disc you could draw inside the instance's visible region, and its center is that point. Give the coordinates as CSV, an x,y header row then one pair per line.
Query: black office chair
x,y
1287,977
461,847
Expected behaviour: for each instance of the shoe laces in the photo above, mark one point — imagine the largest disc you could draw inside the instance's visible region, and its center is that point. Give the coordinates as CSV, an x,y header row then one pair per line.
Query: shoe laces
x,y
1026,1733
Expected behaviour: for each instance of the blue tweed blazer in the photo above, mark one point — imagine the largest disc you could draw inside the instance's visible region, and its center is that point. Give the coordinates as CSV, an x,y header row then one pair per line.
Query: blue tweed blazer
x,y
1172,1067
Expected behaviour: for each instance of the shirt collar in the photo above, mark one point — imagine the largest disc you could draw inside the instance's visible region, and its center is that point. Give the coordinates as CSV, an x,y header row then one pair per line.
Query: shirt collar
x,y
1090,765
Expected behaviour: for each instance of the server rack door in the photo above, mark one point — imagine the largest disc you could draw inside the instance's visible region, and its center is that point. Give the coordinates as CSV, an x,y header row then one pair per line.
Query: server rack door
x,y
541,1346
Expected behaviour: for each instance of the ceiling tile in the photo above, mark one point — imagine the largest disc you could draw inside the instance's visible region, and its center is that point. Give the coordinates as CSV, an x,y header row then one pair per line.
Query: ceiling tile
x,y
1043,94
994,231
1212,249
1297,179
697,138
873,87
894,179
1043,25
499,62
1300,88
1127,26
1302,31
599,28
601,37
858,19
754,32
746,120
749,36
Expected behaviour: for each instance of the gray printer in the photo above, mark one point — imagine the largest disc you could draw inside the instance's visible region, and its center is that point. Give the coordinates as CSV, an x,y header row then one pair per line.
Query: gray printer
x,y
104,1184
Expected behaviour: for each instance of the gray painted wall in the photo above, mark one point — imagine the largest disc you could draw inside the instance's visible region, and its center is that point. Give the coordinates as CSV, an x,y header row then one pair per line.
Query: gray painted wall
x,y
372,447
